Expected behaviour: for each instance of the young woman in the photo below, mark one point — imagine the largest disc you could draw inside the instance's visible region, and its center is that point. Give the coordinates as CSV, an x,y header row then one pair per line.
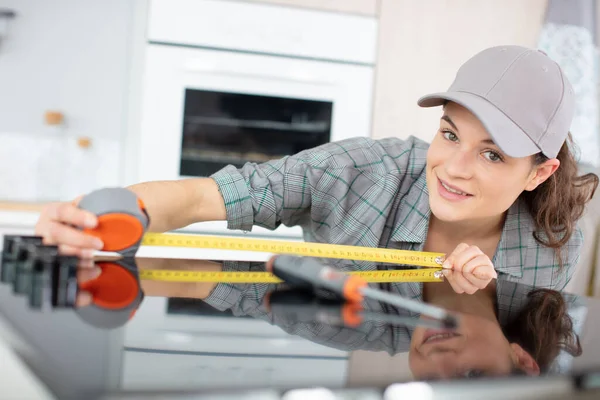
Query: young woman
x,y
497,190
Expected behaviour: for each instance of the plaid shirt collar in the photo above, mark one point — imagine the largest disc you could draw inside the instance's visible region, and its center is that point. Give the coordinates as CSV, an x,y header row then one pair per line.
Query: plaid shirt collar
x,y
412,222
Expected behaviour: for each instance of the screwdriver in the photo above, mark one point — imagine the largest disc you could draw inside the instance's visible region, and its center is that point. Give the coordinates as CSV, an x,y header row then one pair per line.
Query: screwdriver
x,y
303,306
309,273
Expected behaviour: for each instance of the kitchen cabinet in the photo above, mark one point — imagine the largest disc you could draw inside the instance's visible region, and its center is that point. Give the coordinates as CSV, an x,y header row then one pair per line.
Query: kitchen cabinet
x,y
359,7
421,44
155,370
72,57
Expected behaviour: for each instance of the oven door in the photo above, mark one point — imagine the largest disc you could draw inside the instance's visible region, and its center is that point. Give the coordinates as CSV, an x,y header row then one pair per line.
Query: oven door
x,y
204,109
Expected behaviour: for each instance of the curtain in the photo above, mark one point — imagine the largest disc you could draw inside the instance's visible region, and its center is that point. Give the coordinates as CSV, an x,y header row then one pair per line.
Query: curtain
x,y
568,36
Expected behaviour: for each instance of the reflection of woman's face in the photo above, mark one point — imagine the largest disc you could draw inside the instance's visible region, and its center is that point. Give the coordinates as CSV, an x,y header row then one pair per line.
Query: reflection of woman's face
x,y
477,348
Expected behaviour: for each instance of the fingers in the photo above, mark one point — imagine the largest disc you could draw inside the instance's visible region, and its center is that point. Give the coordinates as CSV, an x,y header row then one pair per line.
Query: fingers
x,y
459,283
85,263
480,267
468,269
463,254
85,254
477,282
71,241
451,259
58,225
70,214
64,234
83,299
86,274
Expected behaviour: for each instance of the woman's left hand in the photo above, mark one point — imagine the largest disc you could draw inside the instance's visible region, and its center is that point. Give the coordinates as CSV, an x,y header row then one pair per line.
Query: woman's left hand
x,y
468,269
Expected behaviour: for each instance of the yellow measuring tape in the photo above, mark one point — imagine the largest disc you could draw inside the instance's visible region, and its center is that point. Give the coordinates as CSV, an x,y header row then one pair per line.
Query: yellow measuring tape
x,y
324,250
417,275
430,260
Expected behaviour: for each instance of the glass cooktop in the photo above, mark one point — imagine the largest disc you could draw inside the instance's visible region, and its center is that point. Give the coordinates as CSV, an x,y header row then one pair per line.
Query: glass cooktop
x,y
111,329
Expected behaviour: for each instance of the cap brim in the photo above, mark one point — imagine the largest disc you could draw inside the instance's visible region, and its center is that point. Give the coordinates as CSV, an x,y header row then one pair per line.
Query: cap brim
x,y
507,135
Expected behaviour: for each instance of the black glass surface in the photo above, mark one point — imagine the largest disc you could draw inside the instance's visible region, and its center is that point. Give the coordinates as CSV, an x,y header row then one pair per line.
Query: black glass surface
x,y
238,338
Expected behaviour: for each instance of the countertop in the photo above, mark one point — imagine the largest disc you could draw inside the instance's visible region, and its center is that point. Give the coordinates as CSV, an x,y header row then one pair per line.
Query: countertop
x,y
16,379
8,206
24,215
21,206
233,343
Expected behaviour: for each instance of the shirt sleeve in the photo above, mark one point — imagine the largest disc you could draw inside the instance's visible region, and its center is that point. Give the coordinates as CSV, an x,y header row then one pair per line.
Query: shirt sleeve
x,y
283,191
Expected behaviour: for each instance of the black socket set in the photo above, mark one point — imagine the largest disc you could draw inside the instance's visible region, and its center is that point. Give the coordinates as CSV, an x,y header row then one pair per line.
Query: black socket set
x,y
37,271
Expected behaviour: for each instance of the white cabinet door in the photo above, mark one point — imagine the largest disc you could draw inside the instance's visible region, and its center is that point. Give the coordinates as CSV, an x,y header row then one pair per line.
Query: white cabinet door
x,y
145,370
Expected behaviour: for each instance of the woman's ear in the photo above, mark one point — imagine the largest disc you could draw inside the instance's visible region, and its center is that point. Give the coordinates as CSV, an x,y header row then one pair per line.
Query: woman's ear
x,y
541,172
524,360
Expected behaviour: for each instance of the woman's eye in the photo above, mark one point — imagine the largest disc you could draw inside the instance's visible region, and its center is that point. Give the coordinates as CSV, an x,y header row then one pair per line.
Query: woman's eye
x,y
449,135
474,374
492,156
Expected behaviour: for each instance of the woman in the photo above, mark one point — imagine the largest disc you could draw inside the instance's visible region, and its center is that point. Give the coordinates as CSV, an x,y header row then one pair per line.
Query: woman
x,y
497,189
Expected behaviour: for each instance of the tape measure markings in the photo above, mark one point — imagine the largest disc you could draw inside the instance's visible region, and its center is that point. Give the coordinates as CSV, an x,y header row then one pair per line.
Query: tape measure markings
x,y
323,250
390,276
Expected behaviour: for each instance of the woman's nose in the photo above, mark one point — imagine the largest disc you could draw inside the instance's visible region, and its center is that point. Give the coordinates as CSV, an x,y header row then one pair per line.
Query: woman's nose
x,y
460,164
445,364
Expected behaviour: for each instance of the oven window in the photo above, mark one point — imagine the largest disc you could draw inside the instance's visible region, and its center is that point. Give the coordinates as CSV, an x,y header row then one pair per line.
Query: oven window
x,y
222,128
195,308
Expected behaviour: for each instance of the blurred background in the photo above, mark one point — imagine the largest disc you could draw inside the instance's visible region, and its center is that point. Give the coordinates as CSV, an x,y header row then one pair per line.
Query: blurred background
x,y
103,93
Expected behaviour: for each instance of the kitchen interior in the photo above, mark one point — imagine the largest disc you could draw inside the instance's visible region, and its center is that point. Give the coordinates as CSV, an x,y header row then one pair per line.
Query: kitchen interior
x,y
109,93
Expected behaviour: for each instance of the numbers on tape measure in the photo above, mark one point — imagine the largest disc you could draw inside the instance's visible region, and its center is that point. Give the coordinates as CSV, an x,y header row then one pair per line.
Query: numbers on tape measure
x,y
425,259
266,277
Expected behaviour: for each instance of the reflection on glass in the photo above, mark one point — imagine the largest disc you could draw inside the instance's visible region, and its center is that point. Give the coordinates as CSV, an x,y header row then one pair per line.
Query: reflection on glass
x,y
527,344
506,329
222,128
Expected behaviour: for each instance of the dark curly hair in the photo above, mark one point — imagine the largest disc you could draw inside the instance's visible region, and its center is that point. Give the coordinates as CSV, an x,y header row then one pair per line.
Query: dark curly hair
x,y
558,203
543,328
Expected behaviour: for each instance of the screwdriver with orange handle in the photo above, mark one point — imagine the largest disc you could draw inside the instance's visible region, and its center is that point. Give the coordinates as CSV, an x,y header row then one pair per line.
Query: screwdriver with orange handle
x,y
301,306
309,273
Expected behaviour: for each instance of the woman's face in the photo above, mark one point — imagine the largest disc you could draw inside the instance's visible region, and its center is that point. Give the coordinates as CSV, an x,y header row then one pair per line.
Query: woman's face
x,y
468,176
477,348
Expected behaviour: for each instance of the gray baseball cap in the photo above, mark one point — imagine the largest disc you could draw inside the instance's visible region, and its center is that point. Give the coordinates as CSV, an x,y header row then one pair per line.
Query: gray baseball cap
x,y
521,96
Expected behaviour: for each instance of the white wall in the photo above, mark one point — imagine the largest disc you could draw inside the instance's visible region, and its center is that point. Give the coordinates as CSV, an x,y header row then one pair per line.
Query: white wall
x,y
422,44
70,56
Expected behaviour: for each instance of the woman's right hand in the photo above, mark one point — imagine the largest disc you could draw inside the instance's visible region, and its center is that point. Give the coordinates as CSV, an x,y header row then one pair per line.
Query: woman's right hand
x,y
61,224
